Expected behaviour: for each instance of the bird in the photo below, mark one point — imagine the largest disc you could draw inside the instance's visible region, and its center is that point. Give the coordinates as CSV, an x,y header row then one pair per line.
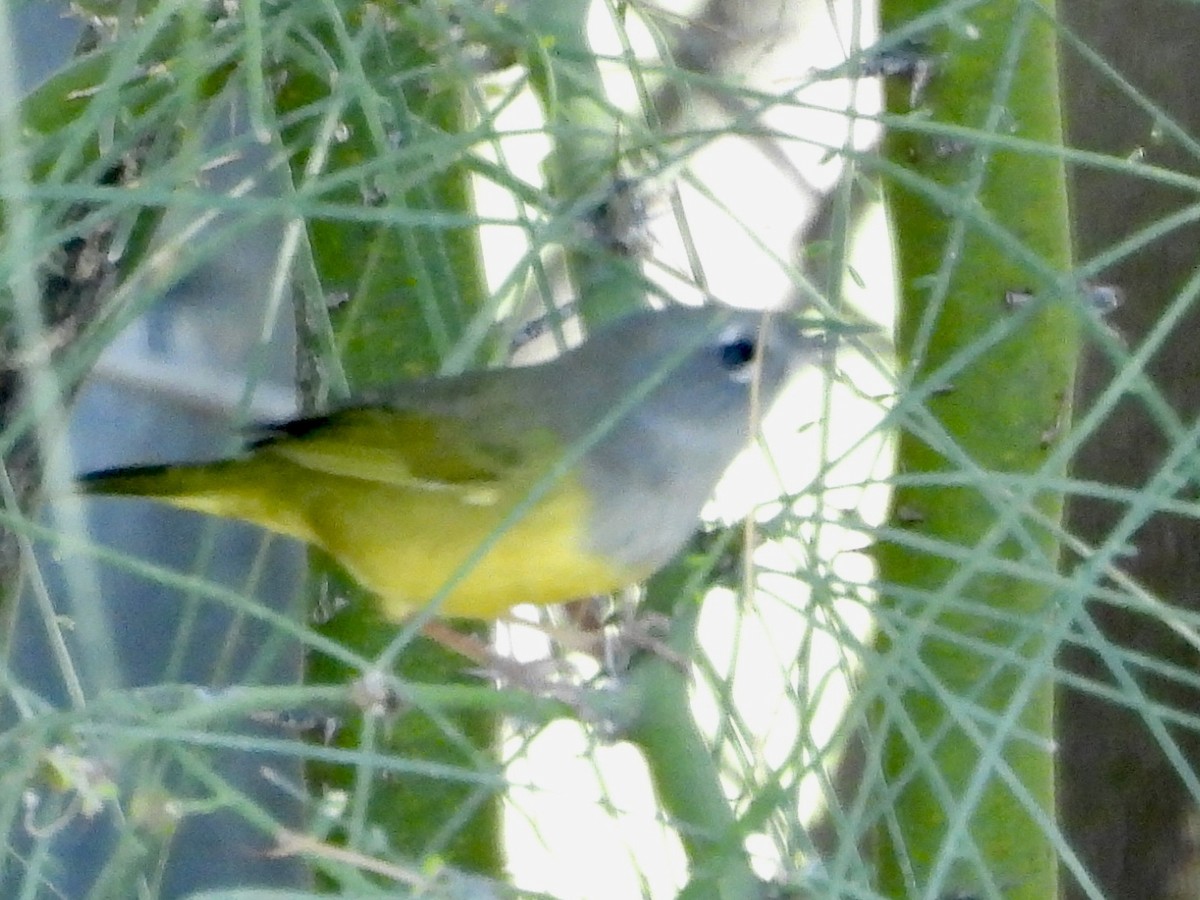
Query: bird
x,y
527,484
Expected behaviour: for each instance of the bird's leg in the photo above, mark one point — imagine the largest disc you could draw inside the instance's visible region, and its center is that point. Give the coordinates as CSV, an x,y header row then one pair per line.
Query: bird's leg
x,y
647,632
610,632
531,677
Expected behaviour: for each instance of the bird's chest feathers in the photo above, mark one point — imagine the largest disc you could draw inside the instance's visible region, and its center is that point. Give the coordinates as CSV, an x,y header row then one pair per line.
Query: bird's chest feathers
x,y
646,499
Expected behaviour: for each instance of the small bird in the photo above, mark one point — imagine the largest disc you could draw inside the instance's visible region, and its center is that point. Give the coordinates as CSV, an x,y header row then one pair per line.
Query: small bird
x,y
536,484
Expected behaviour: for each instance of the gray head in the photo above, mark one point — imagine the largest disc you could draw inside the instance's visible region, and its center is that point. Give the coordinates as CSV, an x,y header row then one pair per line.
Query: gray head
x,y
682,386
684,371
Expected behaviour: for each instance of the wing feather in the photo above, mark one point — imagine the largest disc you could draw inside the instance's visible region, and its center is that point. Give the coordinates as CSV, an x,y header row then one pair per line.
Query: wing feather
x,y
400,448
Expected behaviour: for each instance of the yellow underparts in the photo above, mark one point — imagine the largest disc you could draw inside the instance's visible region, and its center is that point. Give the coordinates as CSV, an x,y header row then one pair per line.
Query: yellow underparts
x,y
413,544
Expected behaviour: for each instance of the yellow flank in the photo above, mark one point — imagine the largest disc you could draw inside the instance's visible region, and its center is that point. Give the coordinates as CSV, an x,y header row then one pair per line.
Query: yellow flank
x,y
538,558
407,540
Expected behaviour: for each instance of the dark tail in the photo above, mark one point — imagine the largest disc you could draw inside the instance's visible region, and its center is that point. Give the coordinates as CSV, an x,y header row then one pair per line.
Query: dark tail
x,y
247,488
150,481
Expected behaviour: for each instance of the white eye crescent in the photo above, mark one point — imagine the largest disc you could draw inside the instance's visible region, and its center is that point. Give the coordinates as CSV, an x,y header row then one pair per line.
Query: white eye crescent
x,y
738,352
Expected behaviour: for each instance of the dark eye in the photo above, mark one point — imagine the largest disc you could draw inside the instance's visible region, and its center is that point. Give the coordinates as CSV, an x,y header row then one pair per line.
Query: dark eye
x,y
737,353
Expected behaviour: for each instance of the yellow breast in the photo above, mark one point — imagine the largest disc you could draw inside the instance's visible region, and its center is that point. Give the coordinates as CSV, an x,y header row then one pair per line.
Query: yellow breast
x,y
469,553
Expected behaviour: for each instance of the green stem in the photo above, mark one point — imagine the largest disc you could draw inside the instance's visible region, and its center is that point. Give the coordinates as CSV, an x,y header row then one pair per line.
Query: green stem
x,y
968,731
682,769
584,164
